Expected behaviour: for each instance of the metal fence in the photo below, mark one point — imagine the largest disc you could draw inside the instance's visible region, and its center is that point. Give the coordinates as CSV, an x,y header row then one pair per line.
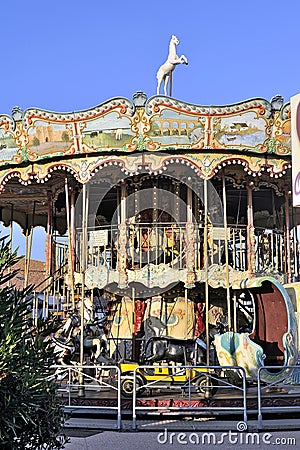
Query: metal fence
x,y
202,380
75,380
284,386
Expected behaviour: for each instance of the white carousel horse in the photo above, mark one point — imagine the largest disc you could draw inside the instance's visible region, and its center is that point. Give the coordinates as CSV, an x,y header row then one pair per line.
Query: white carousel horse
x,y
88,309
167,68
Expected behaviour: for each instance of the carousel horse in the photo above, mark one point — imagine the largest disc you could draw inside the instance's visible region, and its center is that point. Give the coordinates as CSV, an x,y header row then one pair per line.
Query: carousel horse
x,y
166,69
67,340
88,309
168,349
94,338
165,348
153,326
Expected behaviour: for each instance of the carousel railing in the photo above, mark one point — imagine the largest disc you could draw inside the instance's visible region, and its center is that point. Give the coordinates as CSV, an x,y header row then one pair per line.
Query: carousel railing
x,y
270,250
166,243
237,247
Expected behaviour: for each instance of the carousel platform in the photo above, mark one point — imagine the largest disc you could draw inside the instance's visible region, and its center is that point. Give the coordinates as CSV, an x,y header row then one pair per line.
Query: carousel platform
x,y
98,399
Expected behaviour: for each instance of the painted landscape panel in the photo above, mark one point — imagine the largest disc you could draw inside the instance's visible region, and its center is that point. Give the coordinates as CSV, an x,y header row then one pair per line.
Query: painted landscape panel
x,y
47,137
109,131
8,146
243,130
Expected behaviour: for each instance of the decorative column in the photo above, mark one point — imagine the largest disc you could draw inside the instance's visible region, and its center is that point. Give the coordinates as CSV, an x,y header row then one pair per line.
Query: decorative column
x,y
250,231
226,252
190,242
70,277
287,238
73,227
122,240
49,237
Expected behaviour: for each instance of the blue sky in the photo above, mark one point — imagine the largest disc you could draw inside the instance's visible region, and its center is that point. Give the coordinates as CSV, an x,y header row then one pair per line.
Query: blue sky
x,y
71,55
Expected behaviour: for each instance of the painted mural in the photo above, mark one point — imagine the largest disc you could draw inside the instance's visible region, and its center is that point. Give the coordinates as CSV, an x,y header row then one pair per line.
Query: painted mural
x,y
170,318
173,128
111,130
50,138
161,123
245,130
8,147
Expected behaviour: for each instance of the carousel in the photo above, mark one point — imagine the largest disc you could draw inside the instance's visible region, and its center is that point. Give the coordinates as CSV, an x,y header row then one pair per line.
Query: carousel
x,y
164,221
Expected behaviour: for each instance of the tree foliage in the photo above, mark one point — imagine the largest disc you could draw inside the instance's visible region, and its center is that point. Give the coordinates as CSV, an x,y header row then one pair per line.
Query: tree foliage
x,y
31,414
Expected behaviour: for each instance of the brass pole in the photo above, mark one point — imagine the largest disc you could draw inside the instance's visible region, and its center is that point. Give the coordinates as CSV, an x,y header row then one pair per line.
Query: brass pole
x,y
83,255
205,254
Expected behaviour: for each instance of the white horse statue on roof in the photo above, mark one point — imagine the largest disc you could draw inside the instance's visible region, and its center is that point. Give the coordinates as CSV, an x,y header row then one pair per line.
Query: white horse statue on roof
x,y
166,69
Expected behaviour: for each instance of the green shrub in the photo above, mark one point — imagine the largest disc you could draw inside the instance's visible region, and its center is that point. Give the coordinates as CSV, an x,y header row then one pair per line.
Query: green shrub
x,y
31,415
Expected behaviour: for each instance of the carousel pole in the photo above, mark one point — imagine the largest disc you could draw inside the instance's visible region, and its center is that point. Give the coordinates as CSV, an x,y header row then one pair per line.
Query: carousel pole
x,y
49,242
73,227
70,262
226,251
187,311
84,243
122,240
133,322
205,252
29,238
250,231
207,392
